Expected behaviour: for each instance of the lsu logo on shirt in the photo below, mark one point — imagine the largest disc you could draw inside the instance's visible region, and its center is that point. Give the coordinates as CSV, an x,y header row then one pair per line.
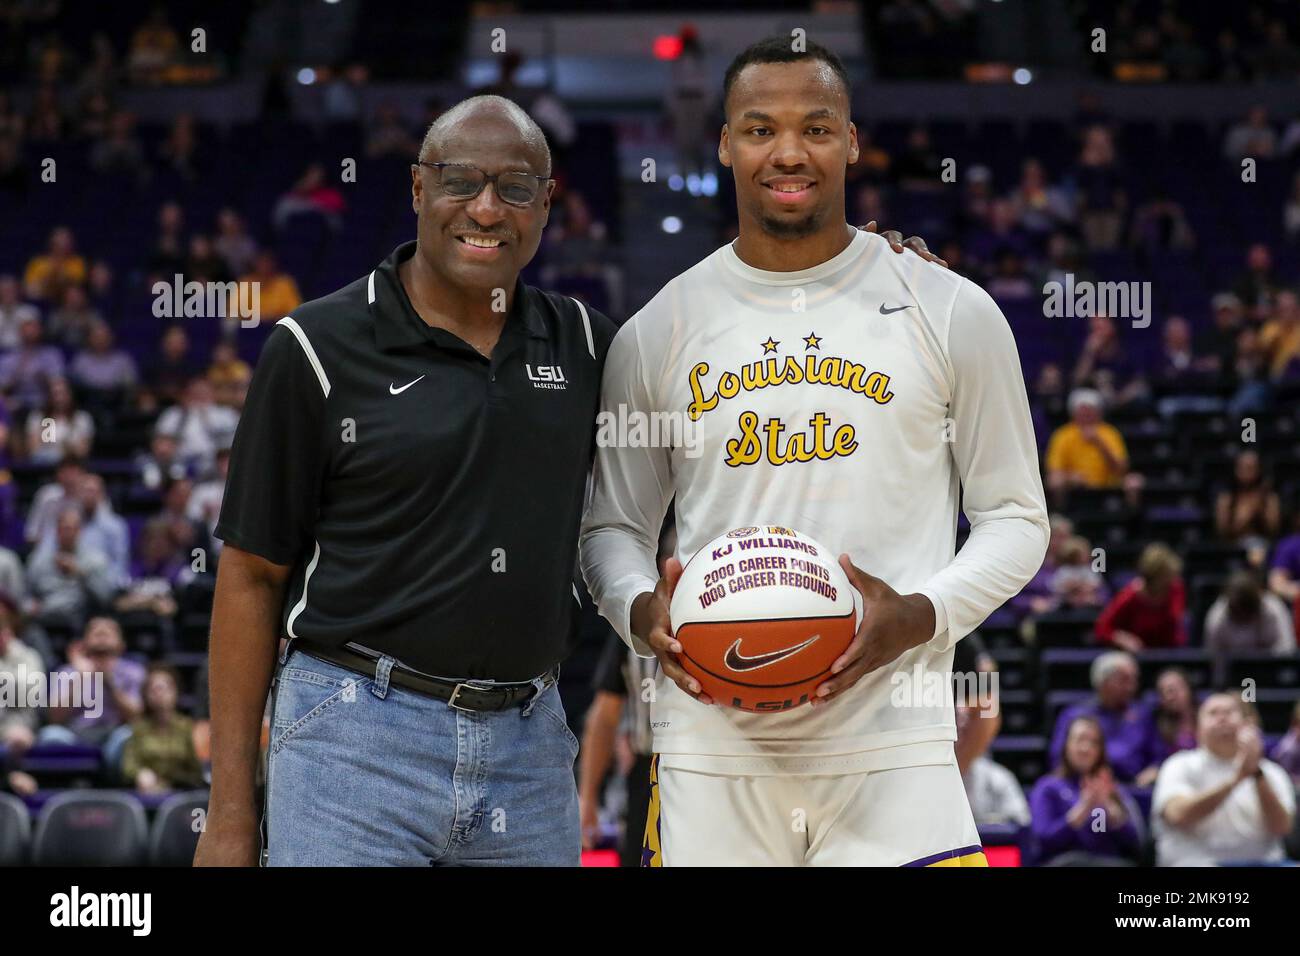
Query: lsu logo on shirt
x,y
767,441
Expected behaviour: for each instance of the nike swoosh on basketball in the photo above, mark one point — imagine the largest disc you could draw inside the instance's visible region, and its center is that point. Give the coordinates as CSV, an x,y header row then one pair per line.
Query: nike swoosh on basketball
x,y
884,311
737,661
394,390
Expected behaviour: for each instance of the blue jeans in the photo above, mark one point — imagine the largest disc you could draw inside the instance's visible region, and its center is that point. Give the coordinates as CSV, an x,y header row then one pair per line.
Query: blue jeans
x,y
362,773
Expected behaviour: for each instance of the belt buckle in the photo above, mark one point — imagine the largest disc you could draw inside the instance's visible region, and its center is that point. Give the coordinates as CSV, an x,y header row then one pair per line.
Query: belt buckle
x,y
455,693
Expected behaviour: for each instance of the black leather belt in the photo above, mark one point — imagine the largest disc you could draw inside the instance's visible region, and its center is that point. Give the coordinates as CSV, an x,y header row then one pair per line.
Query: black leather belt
x,y
463,695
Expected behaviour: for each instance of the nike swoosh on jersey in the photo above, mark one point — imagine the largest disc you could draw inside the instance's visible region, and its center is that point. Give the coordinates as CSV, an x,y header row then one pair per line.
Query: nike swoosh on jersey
x,y
394,390
884,311
739,662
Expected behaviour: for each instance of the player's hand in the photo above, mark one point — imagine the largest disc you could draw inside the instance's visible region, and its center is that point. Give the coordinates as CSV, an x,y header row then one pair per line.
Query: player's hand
x,y
898,243
228,839
892,623
589,817
649,621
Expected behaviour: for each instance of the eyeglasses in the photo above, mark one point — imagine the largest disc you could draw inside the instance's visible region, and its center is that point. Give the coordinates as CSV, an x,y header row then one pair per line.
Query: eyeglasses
x,y
460,181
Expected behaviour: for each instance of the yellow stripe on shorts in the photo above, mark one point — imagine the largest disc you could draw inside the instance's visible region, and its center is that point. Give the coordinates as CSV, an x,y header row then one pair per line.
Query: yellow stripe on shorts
x,y
651,850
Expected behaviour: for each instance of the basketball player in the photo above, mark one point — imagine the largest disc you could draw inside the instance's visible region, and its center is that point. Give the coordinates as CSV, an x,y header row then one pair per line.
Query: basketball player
x,y
764,348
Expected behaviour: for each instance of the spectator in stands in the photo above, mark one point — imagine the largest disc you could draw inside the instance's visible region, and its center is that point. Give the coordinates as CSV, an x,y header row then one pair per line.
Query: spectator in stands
x,y
1010,281
1038,597
70,324
278,293
1249,512
59,266
203,264
1284,573
1291,211
160,755
1218,343
15,175
26,372
578,255
120,152
200,425
999,235
69,578
102,527
95,116
1104,364
11,121
1222,802
1173,721
1280,337
160,465
154,47
18,724
1250,378
312,194
1256,286
1148,611
1125,724
227,367
1253,137
169,248
205,502
1245,617
181,152
45,120
994,793
1086,451
58,429
1099,190
1081,816
187,534
1160,226
13,312
235,246
171,372
690,105
1076,584
1040,207
389,135
100,287
50,498
918,168
1277,59
1286,752
104,375
97,719
1182,379
157,570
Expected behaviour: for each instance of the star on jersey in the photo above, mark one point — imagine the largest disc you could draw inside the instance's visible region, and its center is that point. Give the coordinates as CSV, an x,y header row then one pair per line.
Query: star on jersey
x,y
812,341
769,346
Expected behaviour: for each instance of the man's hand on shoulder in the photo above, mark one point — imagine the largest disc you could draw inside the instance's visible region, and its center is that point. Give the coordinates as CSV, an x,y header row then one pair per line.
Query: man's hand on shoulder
x,y
898,243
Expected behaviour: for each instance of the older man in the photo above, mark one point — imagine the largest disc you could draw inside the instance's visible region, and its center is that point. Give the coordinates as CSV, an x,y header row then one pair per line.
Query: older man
x,y
1222,802
1125,723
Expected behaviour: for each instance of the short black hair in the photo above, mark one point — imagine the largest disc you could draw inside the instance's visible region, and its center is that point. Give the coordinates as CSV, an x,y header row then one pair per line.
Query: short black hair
x,y
780,49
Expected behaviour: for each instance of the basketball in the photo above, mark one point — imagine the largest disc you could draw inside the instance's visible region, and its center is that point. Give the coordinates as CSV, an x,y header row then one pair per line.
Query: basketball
x,y
761,614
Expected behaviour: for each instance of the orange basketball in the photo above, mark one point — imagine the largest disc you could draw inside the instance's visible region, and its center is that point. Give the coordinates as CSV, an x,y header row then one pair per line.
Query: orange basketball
x,y
761,614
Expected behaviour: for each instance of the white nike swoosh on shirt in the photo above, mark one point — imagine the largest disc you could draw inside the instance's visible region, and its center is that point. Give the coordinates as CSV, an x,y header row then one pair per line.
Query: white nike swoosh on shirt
x,y
394,390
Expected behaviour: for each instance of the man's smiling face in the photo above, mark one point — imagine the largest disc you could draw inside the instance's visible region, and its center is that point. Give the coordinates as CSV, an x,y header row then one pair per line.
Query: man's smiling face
x,y
480,243
788,140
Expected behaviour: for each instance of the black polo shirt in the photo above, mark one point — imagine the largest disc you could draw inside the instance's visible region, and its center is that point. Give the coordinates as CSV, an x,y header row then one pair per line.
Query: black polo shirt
x,y
427,498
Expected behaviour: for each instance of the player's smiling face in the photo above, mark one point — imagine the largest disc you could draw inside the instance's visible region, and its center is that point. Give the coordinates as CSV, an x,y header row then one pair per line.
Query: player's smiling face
x,y
788,140
484,242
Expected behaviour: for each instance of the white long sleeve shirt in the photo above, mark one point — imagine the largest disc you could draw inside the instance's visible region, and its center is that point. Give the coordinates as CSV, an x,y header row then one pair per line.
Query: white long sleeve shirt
x,y
852,402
